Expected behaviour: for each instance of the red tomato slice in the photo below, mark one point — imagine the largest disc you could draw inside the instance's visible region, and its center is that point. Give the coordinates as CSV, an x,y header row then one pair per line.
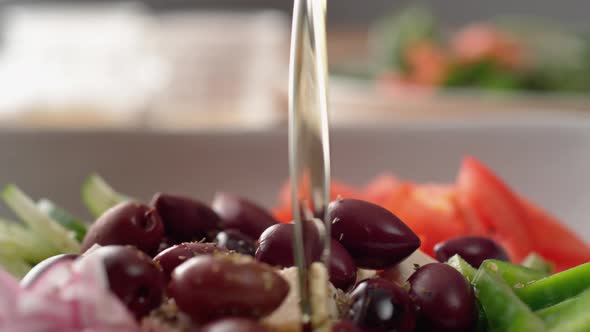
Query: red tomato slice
x,y
283,214
553,240
484,196
429,210
337,189
380,188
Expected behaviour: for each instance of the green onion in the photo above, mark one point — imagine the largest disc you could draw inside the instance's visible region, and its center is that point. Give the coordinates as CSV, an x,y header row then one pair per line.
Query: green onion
x,y
63,217
99,196
28,245
39,222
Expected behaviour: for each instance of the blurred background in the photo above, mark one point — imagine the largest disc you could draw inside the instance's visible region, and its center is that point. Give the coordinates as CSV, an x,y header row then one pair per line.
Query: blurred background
x,y
180,64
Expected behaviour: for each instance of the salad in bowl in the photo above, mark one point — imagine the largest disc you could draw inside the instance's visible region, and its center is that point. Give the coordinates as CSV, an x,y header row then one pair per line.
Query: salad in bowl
x,y
469,256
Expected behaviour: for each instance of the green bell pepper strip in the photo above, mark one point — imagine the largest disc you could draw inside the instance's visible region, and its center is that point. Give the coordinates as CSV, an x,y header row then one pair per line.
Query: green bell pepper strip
x,y
535,262
556,288
504,310
469,272
551,314
463,267
515,275
482,319
575,318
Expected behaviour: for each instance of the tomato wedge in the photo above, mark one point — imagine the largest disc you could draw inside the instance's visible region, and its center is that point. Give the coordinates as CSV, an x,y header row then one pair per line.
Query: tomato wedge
x,y
553,240
429,210
479,203
380,188
484,196
337,189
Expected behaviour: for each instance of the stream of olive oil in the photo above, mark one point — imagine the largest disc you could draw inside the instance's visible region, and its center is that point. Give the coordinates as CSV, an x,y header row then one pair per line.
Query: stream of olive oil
x,y
309,147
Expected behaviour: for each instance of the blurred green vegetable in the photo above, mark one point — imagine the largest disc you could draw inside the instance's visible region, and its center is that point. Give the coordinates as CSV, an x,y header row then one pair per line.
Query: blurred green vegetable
x,y
99,196
538,263
394,34
549,57
504,310
63,217
463,267
514,275
556,288
573,319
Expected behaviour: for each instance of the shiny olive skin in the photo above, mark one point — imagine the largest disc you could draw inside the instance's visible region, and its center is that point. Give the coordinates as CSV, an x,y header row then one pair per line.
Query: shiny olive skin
x,y
127,223
38,270
241,214
275,245
185,219
342,267
164,244
172,257
345,326
209,287
378,304
234,240
444,299
234,325
133,277
473,249
373,236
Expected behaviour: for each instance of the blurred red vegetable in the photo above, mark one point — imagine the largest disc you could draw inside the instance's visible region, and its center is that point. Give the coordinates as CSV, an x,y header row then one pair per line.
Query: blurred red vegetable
x,y
480,42
479,203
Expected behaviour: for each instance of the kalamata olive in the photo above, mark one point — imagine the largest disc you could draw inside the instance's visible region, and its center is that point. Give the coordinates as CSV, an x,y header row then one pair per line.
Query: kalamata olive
x,y
473,249
211,287
38,270
133,277
241,214
382,305
185,219
342,267
275,246
444,299
165,244
234,325
127,223
172,257
236,241
373,236
345,326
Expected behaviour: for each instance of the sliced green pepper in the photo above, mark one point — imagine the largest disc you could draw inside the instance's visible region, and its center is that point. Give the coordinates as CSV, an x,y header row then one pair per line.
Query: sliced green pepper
x,y
504,310
515,275
469,272
551,314
576,318
463,267
482,319
535,262
556,288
